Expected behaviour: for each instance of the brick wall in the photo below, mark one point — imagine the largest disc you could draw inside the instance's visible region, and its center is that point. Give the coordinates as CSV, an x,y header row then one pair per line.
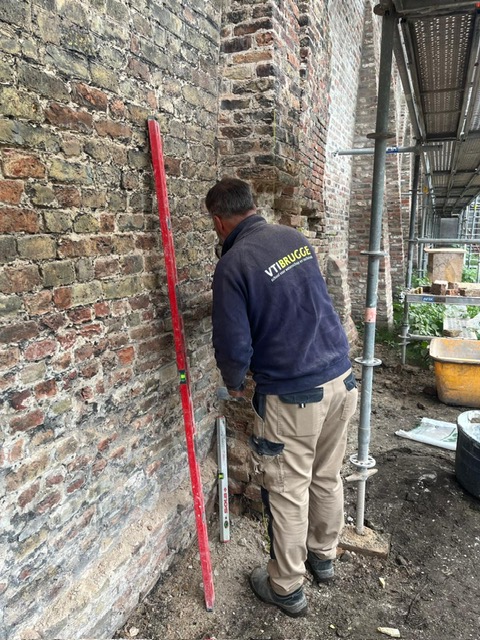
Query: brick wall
x,y
92,451
397,178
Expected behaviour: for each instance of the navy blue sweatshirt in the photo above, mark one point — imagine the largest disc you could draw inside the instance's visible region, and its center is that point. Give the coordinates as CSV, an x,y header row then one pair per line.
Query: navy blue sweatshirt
x,y
272,313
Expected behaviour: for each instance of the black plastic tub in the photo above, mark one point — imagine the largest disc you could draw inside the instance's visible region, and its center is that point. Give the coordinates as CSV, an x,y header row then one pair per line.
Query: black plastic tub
x,y
467,456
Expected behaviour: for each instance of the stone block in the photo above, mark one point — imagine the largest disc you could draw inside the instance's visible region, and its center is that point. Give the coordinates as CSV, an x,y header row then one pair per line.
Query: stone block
x,y
445,264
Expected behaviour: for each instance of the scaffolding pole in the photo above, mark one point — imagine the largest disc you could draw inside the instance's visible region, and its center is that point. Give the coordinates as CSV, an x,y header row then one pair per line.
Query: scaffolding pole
x,y
362,460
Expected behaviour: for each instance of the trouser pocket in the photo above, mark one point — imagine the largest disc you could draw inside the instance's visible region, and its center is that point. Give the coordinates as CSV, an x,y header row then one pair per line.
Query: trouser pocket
x,y
268,468
267,455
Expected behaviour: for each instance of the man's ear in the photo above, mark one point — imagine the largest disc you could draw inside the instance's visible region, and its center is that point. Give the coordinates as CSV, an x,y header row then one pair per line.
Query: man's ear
x,y
219,226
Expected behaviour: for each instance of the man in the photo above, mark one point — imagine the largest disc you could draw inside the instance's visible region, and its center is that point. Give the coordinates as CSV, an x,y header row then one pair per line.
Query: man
x,y
272,315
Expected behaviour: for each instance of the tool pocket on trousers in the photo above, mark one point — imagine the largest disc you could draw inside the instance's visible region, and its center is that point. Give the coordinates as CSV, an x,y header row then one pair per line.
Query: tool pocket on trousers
x,y
267,464
351,397
300,414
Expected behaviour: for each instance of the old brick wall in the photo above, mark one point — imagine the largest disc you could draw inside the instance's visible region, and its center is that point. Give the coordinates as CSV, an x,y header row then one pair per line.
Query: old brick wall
x,y
92,453
95,492
397,183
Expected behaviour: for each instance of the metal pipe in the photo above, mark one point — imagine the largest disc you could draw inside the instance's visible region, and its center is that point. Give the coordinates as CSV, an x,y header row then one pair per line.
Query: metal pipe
x,y
369,151
411,249
362,460
448,240
413,220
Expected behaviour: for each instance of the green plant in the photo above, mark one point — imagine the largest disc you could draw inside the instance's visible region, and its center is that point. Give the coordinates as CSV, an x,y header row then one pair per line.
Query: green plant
x,y
469,274
426,319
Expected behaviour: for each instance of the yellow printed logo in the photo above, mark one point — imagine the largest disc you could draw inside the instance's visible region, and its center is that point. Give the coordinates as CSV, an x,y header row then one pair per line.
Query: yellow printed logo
x,y
284,264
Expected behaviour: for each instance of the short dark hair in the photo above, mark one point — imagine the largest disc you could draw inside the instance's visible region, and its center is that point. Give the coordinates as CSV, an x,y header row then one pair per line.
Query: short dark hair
x,y
229,197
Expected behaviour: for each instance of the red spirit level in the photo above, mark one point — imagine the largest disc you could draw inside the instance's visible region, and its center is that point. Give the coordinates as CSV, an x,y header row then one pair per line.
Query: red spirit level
x,y
181,353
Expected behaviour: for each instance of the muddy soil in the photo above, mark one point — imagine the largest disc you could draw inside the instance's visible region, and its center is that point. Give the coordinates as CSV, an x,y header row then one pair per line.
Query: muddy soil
x,y
428,588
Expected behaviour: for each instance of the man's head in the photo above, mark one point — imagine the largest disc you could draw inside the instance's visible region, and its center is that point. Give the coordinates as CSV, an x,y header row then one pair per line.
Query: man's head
x,y
229,202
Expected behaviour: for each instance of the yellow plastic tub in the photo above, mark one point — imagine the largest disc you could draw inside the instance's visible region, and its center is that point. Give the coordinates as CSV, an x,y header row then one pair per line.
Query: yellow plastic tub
x,y
457,370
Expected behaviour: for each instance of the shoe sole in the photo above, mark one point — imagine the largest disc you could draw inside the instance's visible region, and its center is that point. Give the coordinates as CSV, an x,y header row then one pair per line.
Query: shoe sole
x,y
291,614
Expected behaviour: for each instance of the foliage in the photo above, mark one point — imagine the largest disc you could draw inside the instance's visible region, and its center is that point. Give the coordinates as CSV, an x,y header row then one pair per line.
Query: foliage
x,y
469,274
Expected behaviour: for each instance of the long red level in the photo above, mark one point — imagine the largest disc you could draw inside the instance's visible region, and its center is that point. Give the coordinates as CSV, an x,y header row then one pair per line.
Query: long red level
x,y
181,354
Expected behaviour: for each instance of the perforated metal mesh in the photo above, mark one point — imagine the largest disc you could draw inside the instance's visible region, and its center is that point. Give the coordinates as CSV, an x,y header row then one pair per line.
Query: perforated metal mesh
x,y
442,54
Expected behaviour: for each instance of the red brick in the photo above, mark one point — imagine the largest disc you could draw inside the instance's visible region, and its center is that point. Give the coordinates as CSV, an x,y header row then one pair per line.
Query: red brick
x,y
90,97
139,69
17,401
118,453
80,462
75,486
67,118
83,353
68,339
126,356
90,370
87,394
19,279
113,129
19,332
50,501
11,191
39,303
68,196
27,496
40,350
28,421
18,220
21,165
16,452
63,297
78,316
54,321
101,309
106,442
46,389
57,478
93,329
99,466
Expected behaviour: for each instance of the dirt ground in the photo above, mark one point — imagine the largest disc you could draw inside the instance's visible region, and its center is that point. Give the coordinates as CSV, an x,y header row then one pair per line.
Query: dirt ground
x,y
428,588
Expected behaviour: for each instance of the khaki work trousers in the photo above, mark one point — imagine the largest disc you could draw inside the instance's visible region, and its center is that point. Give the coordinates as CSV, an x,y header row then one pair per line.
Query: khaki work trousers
x,y
298,446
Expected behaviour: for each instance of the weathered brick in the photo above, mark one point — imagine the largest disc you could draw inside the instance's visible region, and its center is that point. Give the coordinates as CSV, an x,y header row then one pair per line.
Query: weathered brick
x,y
67,118
10,305
8,249
27,422
21,165
49,502
19,104
11,191
14,220
38,303
86,223
79,40
90,97
36,247
63,171
19,279
42,195
104,77
113,129
27,496
14,12
19,332
9,356
42,83
68,196
40,350
69,64
58,221
46,389
18,400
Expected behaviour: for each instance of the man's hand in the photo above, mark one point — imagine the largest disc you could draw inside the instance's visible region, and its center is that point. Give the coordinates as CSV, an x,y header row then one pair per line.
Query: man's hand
x,y
236,394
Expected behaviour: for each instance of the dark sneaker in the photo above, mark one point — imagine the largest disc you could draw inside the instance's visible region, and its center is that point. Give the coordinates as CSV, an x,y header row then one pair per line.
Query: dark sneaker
x,y
294,604
322,570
